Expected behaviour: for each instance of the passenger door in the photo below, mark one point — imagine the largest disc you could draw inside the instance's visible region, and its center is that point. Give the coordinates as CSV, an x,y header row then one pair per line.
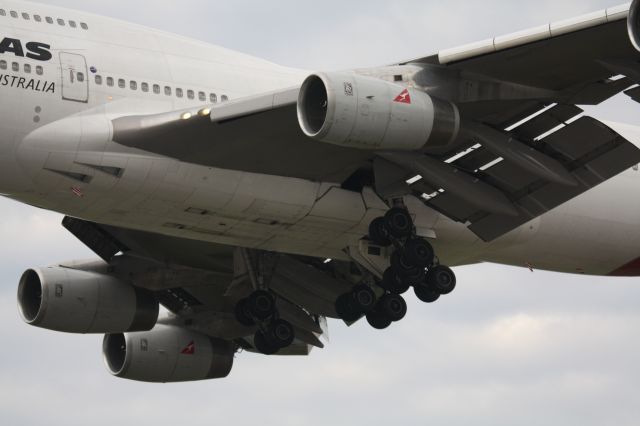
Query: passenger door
x,y
75,79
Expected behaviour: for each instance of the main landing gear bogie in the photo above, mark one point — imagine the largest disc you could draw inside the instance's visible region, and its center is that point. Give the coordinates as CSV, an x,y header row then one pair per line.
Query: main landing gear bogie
x,y
413,264
273,333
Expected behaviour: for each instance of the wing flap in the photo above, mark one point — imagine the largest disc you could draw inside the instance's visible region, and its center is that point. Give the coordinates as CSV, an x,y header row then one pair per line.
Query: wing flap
x,y
588,149
595,154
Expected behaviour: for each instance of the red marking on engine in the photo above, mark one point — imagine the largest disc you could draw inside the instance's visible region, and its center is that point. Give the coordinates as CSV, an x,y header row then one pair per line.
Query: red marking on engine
x,y
190,349
404,97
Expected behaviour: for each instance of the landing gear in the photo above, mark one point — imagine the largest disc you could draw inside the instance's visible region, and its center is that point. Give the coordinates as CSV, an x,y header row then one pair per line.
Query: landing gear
x,y
413,264
273,333
442,279
389,309
392,306
358,302
398,223
439,281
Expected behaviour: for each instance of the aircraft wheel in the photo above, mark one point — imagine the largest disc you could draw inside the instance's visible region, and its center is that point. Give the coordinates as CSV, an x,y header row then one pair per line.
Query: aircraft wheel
x,y
378,233
364,299
378,321
394,283
399,223
261,304
419,252
405,269
442,279
346,310
426,293
264,345
393,307
281,333
243,316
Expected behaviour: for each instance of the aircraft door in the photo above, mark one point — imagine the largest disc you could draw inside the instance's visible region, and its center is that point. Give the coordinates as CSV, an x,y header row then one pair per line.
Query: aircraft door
x,y
75,79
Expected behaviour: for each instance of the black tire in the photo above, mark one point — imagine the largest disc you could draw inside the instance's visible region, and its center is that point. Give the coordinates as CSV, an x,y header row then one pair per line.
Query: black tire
x,y
264,345
261,304
419,252
378,233
407,271
399,223
426,293
442,279
364,299
281,333
378,321
346,310
393,283
242,314
393,307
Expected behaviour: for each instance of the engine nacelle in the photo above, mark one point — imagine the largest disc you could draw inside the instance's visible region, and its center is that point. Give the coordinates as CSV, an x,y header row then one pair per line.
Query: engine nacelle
x,y
361,112
633,24
75,301
167,354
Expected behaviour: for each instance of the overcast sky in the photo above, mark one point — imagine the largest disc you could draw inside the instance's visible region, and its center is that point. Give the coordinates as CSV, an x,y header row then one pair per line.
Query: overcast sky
x,y
509,347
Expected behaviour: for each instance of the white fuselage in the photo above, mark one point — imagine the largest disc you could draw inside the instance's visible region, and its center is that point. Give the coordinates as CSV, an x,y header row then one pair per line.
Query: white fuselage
x,y
43,133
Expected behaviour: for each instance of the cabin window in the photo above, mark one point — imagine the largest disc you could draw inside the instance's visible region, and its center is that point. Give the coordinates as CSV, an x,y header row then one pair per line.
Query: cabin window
x,y
49,20
84,26
27,68
61,22
202,97
39,70
98,79
133,85
14,14
25,16
37,18
110,81
73,24
80,77
15,66
145,87
156,89
121,83
3,65
179,93
224,98
213,98
167,90
191,94
2,12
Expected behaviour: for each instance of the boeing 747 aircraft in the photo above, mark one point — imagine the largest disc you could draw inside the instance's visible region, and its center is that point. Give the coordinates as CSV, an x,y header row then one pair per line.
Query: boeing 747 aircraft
x,y
253,201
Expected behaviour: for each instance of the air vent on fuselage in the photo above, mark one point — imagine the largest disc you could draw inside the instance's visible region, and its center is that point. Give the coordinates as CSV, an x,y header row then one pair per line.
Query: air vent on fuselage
x,y
79,177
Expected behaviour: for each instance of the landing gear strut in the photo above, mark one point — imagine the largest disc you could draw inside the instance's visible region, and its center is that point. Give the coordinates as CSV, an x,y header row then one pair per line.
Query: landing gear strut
x,y
413,264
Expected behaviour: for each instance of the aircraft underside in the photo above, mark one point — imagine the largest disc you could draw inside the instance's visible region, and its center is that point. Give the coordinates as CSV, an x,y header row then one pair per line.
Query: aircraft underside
x,y
255,212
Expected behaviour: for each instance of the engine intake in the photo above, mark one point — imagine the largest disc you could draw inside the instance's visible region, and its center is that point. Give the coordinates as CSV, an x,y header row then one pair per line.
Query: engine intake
x,y
362,112
75,301
167,354
633,24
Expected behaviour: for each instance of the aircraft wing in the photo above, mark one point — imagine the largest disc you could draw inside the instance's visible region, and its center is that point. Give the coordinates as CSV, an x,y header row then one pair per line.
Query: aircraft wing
x,y
201,282
523,87
259,134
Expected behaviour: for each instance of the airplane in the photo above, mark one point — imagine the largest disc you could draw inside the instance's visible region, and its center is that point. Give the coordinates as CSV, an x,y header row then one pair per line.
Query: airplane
x,y
254,201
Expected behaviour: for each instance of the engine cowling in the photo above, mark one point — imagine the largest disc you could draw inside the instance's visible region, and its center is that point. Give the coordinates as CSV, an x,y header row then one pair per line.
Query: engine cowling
x,y
362,112
167,354
75,301
633,24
